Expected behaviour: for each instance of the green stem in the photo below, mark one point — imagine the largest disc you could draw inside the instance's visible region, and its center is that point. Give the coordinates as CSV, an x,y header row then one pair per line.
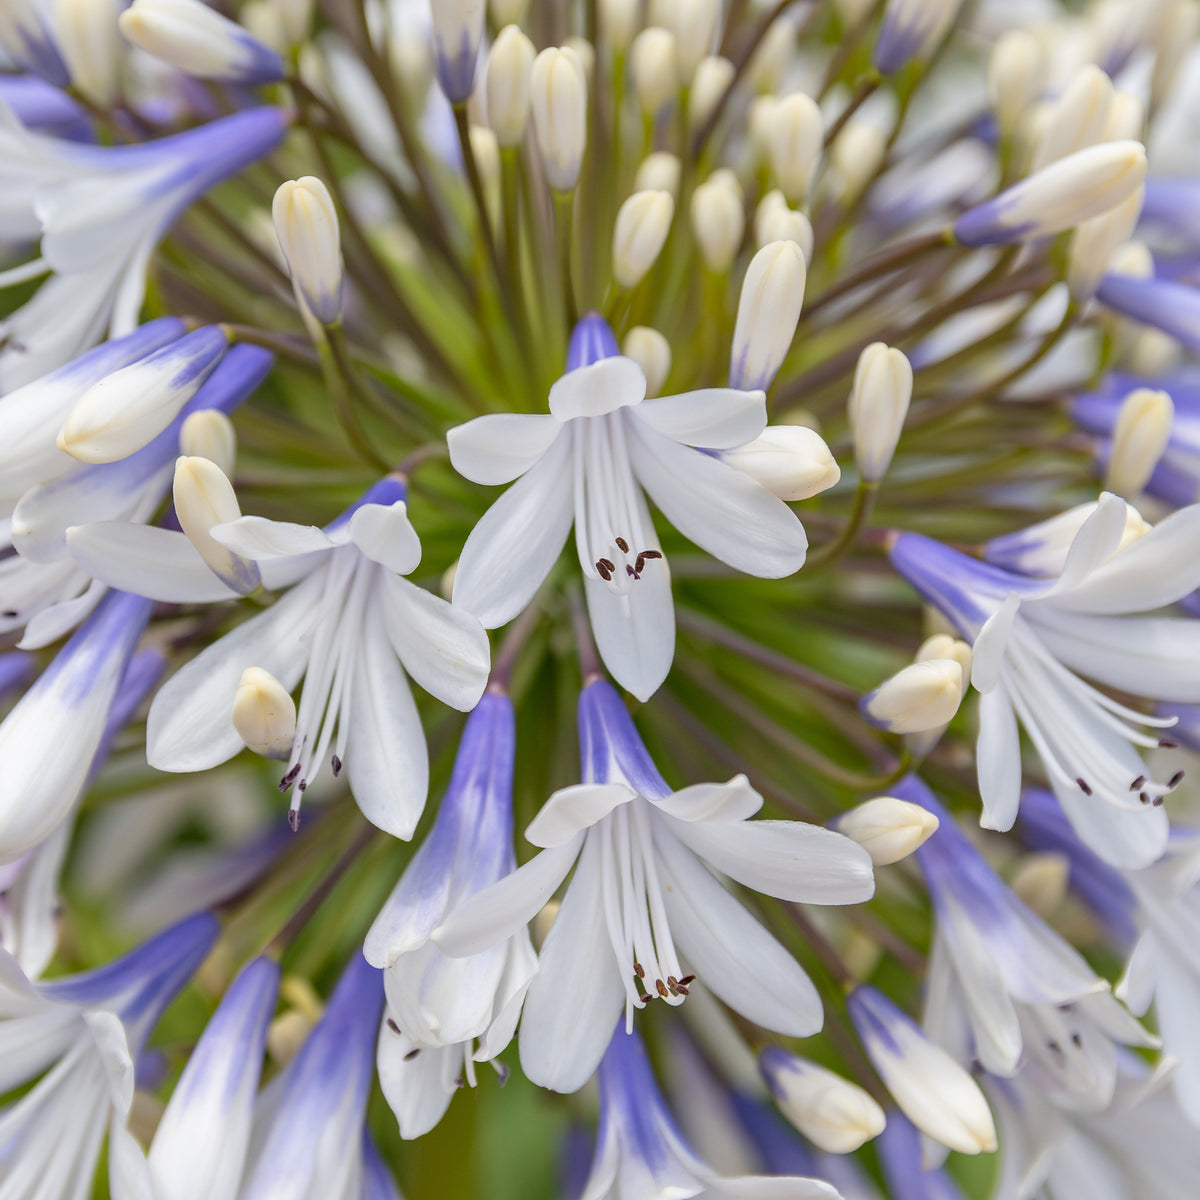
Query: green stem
x,y
864,503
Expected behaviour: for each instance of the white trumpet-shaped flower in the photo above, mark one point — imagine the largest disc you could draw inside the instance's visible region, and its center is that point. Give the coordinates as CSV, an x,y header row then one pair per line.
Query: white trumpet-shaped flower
x,y
587,463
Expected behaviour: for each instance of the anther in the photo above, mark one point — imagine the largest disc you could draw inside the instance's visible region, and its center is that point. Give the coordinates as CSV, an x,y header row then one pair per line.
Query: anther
x,y
639,970
337,766
302,785
1144,797
681,990
622,545
1167,744
604,569
391,1024
412,1054
1077,1041
294,819
1138,783
688,979
1083,785
645,997
1175,780
661,988
1156,802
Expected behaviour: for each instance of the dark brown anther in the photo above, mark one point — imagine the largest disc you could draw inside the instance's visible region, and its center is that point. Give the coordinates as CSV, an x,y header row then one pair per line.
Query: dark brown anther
x,y
337,766
1144,797
294,819
645,997
672,982
648,554
1083,786
1175,780
1167,744
1077,1041
688,979
604,569
1138,783
1156,802
290,778
622,545
1054,1048
412,1054
302,785
639,970
459,1082
681,990
392,1025
661,988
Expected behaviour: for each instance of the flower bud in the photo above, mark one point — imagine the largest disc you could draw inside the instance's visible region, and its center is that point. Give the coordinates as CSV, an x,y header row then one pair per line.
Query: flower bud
x,y
1126,118
410,56
457,32
90,45
618,21
261,20
778,223
1042,881
1016,77
694,24
718,221
558,88
793,143
306,224
199,41
1064,194
264,715
856,158
1077,118
759,122
769,64
658,172
1095,242
1133,259
837,1116
652,352
944,645
1174,38
296,16
204,497
507,12
586,53
132,406
912,29
1140,435
711,82
643,222
919,697
791,461
209,434
768,311
506,82
887,828
878,405
652,62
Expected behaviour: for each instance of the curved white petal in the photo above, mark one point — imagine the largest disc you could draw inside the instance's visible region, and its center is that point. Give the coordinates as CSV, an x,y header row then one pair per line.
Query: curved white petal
x,y
1094,544
734,800
445,649
258,538
998,760
128,1172
987,654
603,387
1135,988
59,619
717,418
417,1086
635,630
385,535
501,446
1123,837
718,507
516,542
768,1187
571,810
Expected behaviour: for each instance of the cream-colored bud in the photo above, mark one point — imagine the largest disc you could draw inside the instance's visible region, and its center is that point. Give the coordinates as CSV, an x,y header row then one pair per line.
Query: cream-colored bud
x,y
792,461
559,97
773,202
264,715
1133,258
91,46
286,1034
856,158
1016,77
506,84
922,696
727,178
411,59
878,405
203,498
1077,119
769,64
652,64
261,19
618,21
1095,242
694,24
1175,36
768,312
793,143
485,148
652,352
1042,881
760,120
306,224
1140,435
586,52
1153,353
837,1116
854,12
712,80
641,229
209,434
888,828
297,18
943,645
507,12
658,172
775,222
718,221
1126,118
457,32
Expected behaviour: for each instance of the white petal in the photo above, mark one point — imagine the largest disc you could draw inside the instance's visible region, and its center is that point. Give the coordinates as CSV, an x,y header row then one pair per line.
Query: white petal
x,y
1125,838
108,1034
52,623
1175,1003
190,726
769,1187
718,507
735,800
516,542
445,649
501,446
998,760
730,952
716,418
987,654
385,748
519,971
257,537
161,564
604,386
501,909
788,859
1136,985
573,1003
385,535
415,1088
573,809
1094,544
128,1174
635,631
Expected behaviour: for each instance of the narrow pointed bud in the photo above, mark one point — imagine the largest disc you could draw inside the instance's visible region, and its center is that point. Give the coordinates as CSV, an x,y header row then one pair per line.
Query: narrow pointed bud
x,y
887,828
791,461
878,405
306,224
931,1089
912,29
199,41
793,133
1016,77
652,352
856,158
209,434
659,172
91,46
1095,242
1061,196
264,714
922,696
507,80
559,98
711,82
769,64
718,221
618,21
652,63
204,497
507,12
768,311
774,221
694,24
1076,119
1140,435
639,235
457,32
130,407
837,1116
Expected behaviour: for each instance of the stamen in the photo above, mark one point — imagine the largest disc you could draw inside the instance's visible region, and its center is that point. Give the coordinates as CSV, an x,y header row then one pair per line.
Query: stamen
x,y
337,766
391,1024
1175,780
1167,744
1083,786
622,545
413,1054
294,819
1138,784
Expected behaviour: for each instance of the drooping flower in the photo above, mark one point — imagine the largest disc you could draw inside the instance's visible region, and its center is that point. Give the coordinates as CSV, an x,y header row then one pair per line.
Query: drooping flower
x,y
587,463
644,915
